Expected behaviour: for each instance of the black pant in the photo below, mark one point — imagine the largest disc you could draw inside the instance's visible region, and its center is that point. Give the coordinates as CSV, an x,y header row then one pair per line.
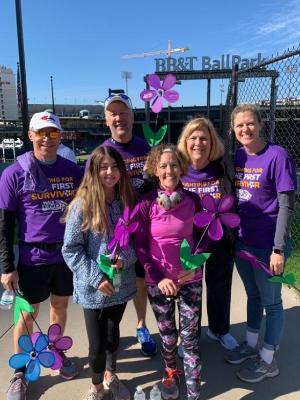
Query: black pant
x,y
218,277
104,336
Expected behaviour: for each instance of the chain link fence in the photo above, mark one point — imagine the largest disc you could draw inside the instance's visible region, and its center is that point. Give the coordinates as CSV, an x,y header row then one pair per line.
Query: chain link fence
x,y
274,86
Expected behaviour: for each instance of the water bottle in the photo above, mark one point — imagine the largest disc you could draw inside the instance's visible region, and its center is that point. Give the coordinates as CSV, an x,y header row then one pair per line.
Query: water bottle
x,y
117,281
7,299
139,394
155,393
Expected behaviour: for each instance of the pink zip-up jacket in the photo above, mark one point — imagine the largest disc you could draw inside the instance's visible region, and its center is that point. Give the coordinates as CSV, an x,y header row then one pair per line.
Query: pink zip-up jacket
x,y
160,234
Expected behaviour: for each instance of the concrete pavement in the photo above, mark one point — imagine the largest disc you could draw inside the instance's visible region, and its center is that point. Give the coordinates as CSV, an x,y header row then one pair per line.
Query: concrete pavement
x,y
219,380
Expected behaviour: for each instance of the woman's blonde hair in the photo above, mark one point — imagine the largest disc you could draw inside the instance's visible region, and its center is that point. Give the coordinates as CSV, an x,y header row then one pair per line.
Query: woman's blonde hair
x,y
243,108
91,192
197,124
155,154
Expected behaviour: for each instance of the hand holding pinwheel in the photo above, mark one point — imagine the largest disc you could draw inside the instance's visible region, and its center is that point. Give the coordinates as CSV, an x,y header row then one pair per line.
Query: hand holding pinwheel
x,y
288,279
124,228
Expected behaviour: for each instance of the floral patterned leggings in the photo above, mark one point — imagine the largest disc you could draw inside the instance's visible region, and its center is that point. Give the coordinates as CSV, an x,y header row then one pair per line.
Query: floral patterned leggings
x,y
189,306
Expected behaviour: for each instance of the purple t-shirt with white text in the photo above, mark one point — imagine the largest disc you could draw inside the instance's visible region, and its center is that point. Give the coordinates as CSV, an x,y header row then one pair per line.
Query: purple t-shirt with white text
x,y
134,154
204,181
258,179
39,212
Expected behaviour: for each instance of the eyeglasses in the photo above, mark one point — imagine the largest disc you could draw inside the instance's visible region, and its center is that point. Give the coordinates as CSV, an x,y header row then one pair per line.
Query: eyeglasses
x,y
121,97
50,134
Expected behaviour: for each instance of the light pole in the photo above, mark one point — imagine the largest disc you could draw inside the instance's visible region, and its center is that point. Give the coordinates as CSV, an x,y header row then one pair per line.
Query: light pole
x,y
25,122
126,75
51,81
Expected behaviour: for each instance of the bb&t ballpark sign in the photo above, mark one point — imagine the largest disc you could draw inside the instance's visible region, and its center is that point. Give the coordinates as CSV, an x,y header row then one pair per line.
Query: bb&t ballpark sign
x,y
206,63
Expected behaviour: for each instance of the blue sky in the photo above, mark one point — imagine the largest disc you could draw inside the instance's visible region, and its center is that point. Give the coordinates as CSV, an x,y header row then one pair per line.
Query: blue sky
x,y
81,43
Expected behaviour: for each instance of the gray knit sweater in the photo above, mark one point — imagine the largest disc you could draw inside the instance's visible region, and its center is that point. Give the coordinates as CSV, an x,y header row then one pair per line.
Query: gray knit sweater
x,y
81,251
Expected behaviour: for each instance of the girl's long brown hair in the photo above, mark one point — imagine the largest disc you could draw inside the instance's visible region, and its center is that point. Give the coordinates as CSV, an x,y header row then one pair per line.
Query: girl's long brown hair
x,y
92,196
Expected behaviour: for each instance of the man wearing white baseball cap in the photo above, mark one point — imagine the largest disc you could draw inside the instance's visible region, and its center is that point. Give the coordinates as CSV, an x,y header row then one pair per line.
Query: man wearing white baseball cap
x,y
119,118
34,192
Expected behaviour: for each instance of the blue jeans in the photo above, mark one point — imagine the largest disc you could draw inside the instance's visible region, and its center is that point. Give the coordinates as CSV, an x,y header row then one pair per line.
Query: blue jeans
x,y
261,295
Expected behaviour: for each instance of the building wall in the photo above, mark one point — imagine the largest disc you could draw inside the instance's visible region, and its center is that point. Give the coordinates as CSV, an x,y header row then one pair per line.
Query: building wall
x,y
8,97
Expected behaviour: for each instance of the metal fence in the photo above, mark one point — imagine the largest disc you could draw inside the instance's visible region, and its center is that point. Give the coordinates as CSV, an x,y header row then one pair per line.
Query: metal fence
x,y
274,86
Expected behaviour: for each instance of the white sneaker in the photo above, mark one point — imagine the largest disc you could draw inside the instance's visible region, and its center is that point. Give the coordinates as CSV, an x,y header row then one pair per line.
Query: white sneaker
x,y
227,340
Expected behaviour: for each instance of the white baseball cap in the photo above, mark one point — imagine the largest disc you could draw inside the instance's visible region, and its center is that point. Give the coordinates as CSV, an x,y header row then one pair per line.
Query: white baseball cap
x,y
123,98
44,119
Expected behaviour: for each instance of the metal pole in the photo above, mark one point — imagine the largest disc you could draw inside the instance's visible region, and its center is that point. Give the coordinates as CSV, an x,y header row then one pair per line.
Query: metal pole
x,y
273,98
25,117
52,95
208,96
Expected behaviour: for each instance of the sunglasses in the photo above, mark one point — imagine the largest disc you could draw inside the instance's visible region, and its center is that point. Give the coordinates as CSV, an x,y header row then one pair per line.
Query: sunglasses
x,y
50,134
124,97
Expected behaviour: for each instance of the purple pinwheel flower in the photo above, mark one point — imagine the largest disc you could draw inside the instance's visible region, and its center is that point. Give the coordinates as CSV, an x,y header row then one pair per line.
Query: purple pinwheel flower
x,y
254,261
33,356
56,343
123,229
160,92
215,214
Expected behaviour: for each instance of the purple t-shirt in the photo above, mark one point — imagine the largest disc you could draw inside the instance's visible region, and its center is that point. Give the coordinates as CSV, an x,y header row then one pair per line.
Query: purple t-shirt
x,y
258,179
134,155
204,181
39,209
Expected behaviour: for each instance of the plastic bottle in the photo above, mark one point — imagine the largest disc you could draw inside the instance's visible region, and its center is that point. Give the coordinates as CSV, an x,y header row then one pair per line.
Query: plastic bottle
x,y
155,393
7,299
139,394
117,281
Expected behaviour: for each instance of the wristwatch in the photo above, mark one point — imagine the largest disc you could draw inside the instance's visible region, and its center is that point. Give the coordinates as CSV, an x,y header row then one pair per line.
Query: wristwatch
x,y
278,251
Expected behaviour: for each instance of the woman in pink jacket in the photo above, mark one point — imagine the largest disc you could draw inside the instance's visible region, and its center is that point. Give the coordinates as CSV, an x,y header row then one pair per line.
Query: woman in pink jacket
x,y
166,219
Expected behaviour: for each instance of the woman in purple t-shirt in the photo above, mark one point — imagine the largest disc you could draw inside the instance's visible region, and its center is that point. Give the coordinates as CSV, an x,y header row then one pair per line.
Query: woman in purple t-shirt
x,y
265,180
209,173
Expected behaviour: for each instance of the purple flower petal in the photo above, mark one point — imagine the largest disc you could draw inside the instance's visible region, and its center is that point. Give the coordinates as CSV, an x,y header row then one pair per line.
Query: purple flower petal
x,y
134,212
46,358
54,332
34,337
112,244
133,227
124,240
215,230
25,343
231,220
148,94
18,360
64,343
203,218
154,81
126,214
157,105
209,203
169,82
246,255
171,96
57,360
33,370
226,203
41,343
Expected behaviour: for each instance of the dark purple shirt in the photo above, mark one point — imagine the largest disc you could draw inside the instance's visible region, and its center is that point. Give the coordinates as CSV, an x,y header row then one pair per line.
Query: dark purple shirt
x,y
134,155
258,179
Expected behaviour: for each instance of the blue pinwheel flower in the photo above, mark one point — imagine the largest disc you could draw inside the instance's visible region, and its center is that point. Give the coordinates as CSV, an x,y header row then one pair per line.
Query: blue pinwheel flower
x,y
33,356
